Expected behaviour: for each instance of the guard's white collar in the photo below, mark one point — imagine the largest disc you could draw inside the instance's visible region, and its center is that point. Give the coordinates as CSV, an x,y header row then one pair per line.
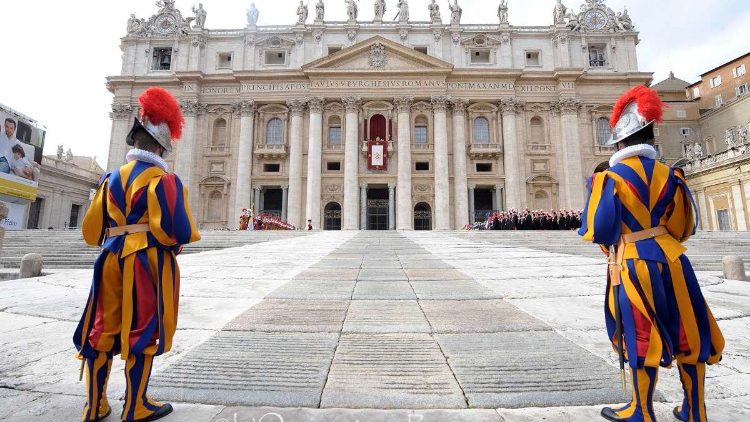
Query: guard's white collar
x,y
642,150
147,157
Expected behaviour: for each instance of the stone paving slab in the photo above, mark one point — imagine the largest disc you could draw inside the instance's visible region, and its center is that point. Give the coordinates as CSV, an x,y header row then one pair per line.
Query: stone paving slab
x,y
390,371
292,315
528,369
436,274
386,290
374,274
338,263
267,414
314,289
341,274
478,316
452,289
247,368
385,316
417,264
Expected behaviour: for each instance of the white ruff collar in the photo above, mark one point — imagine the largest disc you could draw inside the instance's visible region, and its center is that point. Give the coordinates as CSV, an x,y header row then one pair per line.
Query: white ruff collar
x,y
642,150
147,157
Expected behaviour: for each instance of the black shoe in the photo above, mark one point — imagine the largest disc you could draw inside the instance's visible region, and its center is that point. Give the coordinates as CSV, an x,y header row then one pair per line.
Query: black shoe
x,y
162,412
609,414
678,414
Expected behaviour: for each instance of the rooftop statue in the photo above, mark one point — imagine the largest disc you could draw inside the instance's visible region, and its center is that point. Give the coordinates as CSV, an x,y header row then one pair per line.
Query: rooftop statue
x,y
302,12
320,10
502,11
351,10
560,13
200,16
434,9
403,12
379,9
252,15
456,13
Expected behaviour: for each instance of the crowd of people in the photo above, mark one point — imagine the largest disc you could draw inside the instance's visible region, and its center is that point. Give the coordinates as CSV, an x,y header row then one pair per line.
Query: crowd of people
x,y
530,220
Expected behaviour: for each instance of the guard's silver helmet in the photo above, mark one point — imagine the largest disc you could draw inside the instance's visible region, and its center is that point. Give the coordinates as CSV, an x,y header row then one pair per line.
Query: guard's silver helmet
x,y
638,109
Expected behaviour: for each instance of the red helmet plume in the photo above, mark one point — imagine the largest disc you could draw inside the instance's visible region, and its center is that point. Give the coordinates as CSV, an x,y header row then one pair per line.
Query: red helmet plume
x,y
647,100
158,107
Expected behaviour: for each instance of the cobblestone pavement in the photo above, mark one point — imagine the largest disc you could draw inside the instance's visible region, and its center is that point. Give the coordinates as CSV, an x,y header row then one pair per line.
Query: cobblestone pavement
x,y
417,326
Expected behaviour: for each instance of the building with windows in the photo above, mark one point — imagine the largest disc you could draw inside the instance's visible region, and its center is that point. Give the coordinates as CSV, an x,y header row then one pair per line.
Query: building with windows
x,y
375,124
708,124
65,185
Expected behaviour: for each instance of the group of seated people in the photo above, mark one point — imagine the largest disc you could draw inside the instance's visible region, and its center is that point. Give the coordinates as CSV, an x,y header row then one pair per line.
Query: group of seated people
x,y
530,220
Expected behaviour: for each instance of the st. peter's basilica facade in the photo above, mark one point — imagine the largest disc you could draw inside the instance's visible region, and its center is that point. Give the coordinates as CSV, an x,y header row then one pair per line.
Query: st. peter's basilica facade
x,y
382,124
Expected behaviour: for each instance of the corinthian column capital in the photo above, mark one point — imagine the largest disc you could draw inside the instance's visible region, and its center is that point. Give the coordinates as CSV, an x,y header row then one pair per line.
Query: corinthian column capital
x,y
403,104
459,105
121,111
566,105
440,103
511,105
245,107
316,104
351,104
297,105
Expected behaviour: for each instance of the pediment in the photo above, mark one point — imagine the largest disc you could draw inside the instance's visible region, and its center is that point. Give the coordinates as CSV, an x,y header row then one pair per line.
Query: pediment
x,y
378,55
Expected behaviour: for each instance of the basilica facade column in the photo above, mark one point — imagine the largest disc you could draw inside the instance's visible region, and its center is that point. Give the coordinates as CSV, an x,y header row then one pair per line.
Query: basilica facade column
x,y
243,184
573,180
404,220
122,121
442,186
511,154
472,211
351,163
460,178
285,203
363,206
297,108
256,199
391,206
314,161
498,198
185,150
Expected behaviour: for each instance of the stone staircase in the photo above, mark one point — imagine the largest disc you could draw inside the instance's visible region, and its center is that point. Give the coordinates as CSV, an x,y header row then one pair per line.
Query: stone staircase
x,y
705,249
65,249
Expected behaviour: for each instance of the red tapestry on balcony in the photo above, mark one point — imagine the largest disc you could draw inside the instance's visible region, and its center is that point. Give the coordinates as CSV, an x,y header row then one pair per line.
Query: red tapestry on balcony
x,y
377,155
378,127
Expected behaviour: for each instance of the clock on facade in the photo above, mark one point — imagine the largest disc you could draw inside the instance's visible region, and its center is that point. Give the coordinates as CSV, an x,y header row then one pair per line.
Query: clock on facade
x,y
595,19
165,24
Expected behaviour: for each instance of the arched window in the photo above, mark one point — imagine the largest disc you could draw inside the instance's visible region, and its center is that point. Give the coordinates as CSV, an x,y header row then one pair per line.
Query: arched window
x,y
334,130
537,131
421,132
275,132
219,137
481,131
215,206
603,131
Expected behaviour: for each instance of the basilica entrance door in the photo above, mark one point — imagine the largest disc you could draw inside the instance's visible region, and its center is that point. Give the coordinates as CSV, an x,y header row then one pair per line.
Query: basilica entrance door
x,y
422,216
332,217
377,209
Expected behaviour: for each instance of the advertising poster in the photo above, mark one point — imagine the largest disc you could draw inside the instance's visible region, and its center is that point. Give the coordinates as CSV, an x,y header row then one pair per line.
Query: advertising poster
x,y
21,146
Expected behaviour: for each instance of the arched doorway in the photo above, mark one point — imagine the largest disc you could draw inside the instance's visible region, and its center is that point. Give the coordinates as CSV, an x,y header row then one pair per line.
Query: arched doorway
x,y
422,216
603,166
541,200
332,216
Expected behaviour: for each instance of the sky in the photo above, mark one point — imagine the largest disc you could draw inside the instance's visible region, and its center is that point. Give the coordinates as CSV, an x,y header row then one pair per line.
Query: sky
x,y
56,54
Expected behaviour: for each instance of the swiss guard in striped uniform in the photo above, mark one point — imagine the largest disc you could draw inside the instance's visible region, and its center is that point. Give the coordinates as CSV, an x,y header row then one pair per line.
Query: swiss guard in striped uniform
x,y
642,212
141,218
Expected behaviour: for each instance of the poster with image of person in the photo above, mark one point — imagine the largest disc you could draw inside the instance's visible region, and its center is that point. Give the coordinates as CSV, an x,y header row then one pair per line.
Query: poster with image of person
x,y
21,146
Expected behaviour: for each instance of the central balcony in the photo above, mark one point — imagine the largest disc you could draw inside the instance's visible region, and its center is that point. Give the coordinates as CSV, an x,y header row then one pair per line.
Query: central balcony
x,y
272,151
485,151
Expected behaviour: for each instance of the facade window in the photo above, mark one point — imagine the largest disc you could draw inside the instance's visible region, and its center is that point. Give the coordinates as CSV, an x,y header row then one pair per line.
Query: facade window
x,y
272,168
533,58
422,50
659,153
225,61
603,131
275,57
332,50
219,137
696,92
715,81
685,131
481,130
334,131
275,132
483,167
421,135
656,131
597,56
739,71
480,56
333,166
725,224
719,101
681,114
422,166
74,211
742,90
162,59
537,131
